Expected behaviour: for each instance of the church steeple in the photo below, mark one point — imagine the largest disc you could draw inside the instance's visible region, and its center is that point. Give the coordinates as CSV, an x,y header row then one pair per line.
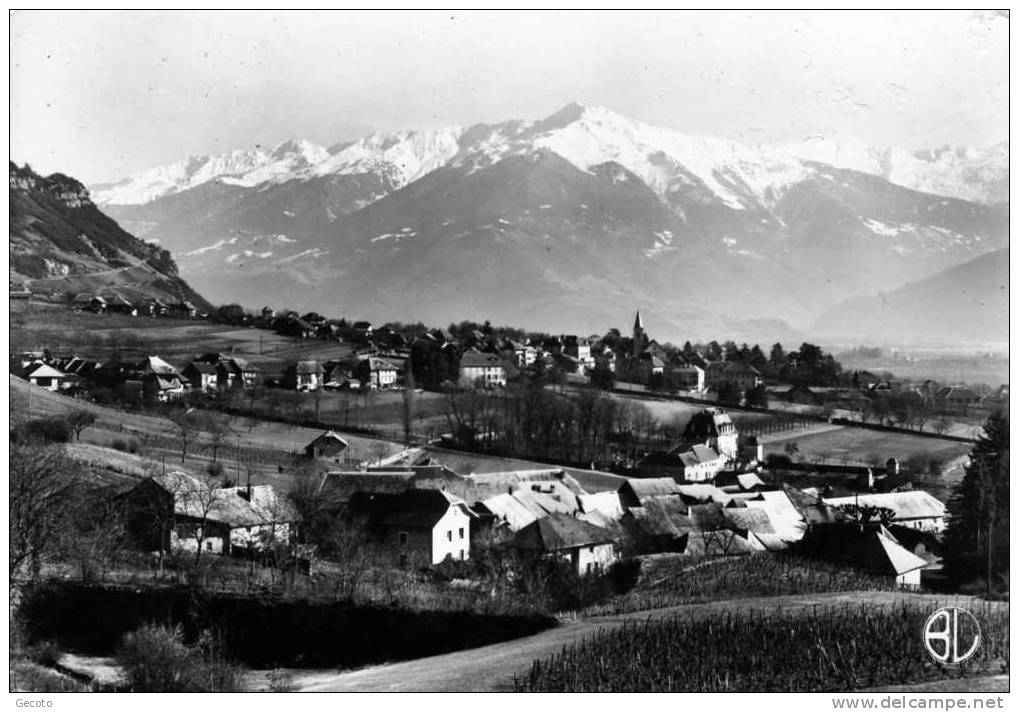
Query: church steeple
x,y
639,335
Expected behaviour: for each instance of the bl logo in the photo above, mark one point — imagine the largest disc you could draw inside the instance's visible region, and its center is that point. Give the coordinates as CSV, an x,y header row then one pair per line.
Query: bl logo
x,y
950,631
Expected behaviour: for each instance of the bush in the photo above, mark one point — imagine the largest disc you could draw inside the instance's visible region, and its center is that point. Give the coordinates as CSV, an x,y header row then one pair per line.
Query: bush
x,y
122,445
52,430
156,659
215,469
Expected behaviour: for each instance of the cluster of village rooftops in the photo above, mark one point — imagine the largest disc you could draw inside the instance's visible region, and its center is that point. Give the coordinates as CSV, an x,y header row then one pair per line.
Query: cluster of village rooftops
x,y
479,360
423,512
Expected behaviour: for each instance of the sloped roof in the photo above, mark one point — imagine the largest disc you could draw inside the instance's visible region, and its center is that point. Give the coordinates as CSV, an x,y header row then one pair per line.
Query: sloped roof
x,y
913,504
713,543
509,510
605,502
869,547
158,365
747,519
492,483
663,516
709,517
328,436
472,358
41,370
651,487
418,508
703,492
341,486
785,518
303,367
540,503
557,532
202,367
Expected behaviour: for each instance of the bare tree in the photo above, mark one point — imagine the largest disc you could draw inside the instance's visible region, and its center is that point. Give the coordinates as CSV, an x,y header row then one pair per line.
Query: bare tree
x,y
408,407
79,420
187,425
44,486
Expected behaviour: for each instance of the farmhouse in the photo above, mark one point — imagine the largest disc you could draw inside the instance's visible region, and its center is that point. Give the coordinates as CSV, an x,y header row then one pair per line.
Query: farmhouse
x,y
867,547
88,302
39,374
421,524
483,370
742,375
303,376
201,376
326,446
236,372
117,304
376,373
179,512
588,548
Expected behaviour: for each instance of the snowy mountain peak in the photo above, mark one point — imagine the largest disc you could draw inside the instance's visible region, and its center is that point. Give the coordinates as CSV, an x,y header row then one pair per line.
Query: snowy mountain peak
x,y
718,170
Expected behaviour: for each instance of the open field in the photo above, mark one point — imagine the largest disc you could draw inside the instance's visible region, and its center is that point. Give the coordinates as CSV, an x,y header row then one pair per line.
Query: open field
x,y
177,340
971,366
256,445
866,447
259,446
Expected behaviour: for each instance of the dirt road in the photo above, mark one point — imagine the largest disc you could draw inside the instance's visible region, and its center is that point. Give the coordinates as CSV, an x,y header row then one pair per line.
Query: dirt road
x,y
491,668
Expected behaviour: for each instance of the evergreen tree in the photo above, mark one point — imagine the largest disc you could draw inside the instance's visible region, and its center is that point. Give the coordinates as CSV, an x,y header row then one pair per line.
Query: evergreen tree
x,y
777,358
976,541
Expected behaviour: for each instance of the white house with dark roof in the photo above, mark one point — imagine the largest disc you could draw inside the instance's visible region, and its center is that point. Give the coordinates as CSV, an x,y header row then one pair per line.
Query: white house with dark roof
x,y
589,549
484,370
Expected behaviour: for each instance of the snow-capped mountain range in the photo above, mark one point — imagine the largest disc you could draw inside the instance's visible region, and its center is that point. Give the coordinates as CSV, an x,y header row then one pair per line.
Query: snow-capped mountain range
x,y
566,221
585,137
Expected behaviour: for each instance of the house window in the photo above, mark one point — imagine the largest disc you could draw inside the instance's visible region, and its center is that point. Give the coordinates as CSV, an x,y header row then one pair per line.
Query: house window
x,y
587,569
449,535
403,538
461,532
461,554
208,546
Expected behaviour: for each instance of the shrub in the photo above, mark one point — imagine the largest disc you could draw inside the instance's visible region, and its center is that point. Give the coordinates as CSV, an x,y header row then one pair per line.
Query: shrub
x,y
215,469
53,430
156,659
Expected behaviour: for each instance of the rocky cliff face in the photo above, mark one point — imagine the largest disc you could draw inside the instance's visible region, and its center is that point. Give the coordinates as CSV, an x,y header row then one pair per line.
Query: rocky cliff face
x,y
63,188
61,242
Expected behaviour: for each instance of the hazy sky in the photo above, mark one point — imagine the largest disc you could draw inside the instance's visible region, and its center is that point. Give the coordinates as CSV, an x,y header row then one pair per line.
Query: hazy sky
x,y
99,95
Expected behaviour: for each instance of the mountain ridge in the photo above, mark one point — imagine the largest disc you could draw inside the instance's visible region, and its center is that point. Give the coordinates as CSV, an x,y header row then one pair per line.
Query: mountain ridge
x,y
59,241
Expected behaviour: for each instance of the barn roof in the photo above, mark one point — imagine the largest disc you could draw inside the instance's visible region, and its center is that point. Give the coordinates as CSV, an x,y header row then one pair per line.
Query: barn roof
x,y
510,510
870,547
651,487
703,492
913,504
419,508
557,532
748,519
341,486
605,502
